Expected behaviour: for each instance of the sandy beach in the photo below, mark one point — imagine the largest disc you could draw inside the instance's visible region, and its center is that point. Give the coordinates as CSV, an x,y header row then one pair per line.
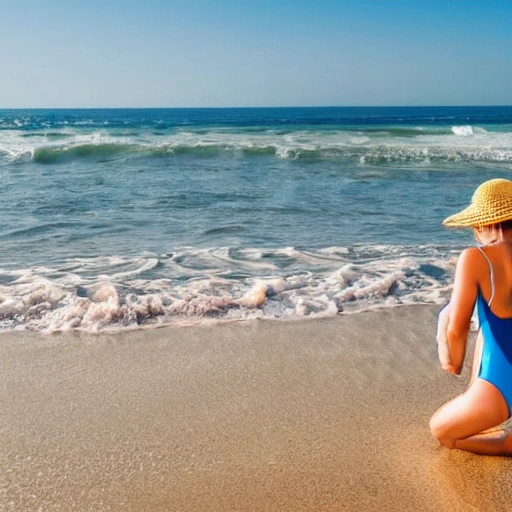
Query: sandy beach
x,y
319,415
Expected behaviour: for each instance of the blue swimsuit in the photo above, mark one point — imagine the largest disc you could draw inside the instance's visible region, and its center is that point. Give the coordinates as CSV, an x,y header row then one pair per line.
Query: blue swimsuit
x,y
496,363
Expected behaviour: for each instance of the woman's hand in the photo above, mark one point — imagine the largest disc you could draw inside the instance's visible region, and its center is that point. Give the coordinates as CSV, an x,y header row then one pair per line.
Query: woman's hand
x,y
448,367
441,337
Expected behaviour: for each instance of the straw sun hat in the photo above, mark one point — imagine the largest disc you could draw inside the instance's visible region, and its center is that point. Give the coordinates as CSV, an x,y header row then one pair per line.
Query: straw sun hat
x,y
491,203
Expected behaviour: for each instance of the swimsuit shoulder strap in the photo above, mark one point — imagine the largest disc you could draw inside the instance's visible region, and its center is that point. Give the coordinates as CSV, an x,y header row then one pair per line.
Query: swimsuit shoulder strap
x,y
491,274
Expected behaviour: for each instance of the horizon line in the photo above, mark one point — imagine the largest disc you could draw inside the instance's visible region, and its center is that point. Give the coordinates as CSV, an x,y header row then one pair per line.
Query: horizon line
x,y
259,107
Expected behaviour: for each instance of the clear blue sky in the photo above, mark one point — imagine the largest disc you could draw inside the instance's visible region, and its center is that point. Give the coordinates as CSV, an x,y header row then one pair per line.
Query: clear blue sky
x,y
174,53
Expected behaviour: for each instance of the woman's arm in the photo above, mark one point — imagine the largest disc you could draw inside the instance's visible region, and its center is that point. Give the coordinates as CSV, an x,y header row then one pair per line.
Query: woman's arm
x,y
442,342
465,290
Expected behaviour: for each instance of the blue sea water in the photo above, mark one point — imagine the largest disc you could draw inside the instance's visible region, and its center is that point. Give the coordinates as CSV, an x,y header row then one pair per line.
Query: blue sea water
x,y
118,218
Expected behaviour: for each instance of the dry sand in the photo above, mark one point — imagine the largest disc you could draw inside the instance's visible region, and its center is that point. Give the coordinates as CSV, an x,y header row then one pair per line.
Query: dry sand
x,y
318,415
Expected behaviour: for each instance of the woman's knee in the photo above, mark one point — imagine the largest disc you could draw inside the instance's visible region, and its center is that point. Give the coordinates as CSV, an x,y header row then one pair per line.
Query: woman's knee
x,y
440,432
436,426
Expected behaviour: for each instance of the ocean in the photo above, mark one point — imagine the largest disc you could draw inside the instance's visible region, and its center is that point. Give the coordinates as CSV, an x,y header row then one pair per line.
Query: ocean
x,y
127,218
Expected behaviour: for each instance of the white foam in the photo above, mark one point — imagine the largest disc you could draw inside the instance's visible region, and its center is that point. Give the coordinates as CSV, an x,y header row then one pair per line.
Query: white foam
x,y
463,131
200,284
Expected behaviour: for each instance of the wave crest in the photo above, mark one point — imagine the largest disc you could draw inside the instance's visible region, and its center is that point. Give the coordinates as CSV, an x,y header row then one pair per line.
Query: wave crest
x,y
383,146
463,131
47,155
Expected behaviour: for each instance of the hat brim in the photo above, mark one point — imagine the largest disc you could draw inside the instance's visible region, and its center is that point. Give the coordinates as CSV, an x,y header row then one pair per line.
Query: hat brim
x,y
463,219
474,217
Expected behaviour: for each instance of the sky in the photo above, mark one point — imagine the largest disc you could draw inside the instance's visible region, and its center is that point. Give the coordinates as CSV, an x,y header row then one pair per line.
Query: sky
x,y
222,53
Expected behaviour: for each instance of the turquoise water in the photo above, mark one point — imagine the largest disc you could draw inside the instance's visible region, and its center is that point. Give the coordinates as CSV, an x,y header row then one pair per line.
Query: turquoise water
x,y
115,218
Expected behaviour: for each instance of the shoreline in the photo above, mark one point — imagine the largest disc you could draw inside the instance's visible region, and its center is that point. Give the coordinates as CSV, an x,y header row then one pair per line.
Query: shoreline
x,y
185,322
315,414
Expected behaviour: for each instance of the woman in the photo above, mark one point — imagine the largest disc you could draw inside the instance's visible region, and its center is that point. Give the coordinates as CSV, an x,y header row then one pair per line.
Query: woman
x,y
483,275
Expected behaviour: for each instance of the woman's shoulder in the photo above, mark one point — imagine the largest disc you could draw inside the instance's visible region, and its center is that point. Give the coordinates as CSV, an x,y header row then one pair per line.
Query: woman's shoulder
x,y
477,260
483,251
473,261
471,255
492,251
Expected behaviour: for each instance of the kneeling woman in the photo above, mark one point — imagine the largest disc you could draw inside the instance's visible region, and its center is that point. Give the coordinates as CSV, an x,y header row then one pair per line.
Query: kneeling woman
x,y
483,275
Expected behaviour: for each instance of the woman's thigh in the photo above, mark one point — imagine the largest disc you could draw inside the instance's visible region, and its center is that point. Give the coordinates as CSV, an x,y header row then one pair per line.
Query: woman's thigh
x,y
481,407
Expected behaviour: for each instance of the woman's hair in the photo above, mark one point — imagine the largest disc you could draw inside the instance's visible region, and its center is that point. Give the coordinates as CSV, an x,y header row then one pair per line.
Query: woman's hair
x,y
503,226
496,229
499,226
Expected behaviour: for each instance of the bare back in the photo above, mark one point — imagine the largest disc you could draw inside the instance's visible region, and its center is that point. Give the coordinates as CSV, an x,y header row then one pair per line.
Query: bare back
x,y
500,290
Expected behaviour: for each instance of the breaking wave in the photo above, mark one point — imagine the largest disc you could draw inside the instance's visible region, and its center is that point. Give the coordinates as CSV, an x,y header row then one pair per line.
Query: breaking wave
x,y
370,146
194,286
463,131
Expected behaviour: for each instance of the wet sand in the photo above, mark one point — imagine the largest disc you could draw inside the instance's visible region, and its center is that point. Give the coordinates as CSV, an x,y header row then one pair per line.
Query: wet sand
x,y
314,415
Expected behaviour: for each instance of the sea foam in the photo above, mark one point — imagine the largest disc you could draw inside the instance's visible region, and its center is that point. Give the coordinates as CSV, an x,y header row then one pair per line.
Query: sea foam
x,y
194,286
463,131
